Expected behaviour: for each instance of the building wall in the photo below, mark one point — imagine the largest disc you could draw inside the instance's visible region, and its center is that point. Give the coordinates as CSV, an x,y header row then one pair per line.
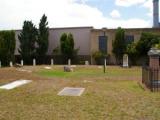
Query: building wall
x,y
81,36
110,33
87,39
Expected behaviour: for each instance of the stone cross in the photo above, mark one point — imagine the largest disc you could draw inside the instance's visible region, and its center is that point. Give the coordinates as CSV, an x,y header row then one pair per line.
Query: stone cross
x,y
21,62
52,62
34,62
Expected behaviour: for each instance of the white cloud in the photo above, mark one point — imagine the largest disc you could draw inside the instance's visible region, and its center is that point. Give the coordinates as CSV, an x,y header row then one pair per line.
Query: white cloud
x,y
115,14
127,3
61,13
149,5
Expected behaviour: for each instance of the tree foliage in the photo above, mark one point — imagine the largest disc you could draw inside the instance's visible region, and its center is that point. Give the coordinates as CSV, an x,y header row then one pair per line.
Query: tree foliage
x,y
119,46
67,46
7,47
28,38
42,37
147,41
132,52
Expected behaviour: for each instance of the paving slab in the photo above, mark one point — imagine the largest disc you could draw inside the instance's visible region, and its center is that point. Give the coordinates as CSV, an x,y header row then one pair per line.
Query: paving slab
x,y
15,84
70,91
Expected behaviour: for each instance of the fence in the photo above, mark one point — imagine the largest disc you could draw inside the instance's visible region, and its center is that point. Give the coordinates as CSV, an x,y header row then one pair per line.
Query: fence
x,y
151,78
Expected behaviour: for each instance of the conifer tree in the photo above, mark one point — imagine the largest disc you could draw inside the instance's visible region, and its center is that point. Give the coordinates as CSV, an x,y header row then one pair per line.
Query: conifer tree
x,y
28,38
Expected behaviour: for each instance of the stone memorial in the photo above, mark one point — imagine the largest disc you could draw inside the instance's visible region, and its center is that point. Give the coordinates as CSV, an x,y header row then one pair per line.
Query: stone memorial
x,y
34,62
68,69
52,62
0,64
69,91
11,64
15,84
69,62
21,62
86,63
125,60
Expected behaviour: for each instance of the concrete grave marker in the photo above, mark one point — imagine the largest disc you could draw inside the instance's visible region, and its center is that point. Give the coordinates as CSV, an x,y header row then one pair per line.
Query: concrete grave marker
x,y
69,62
52,62
0,64
48,68
34,62
21,62
86,63
15,84
69,91
23,70
11,64
125,60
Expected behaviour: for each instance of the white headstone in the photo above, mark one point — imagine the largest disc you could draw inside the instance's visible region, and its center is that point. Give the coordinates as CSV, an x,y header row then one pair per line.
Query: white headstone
x,y
11,64
52,62
34,62
86,63
22,62
0,64
125,60
69,62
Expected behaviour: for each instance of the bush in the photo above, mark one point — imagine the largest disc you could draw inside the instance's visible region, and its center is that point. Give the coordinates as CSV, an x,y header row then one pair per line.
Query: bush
x,y
99,57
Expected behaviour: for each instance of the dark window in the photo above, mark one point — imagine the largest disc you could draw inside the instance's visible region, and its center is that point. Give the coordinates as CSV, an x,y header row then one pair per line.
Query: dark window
x,y
103,44
129,39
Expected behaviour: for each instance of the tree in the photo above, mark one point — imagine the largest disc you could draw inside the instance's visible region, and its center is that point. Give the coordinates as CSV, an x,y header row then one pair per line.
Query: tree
x,y
42,37
7,47
146,41
67,46
119,46
132,52
28,38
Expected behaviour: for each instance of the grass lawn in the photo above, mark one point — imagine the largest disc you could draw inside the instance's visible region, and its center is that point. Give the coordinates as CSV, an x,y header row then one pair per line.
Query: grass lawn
x,y
115,95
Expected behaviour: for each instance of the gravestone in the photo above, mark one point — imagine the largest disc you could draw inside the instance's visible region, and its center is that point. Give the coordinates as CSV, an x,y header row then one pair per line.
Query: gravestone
x,y
34,62
125,60
86,63
52,62
11,64
0,64
68,69
21,62
69,62
69,91
15,84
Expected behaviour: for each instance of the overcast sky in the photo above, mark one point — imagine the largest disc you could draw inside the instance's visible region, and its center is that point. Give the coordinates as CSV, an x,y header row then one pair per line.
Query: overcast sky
x,y
73,13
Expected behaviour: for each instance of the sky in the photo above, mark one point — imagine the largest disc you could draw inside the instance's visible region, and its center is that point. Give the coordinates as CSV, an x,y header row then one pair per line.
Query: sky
x,y
76,13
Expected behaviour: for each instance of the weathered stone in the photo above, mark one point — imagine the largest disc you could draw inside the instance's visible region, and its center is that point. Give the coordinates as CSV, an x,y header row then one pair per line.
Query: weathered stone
x,y
68,69
18,65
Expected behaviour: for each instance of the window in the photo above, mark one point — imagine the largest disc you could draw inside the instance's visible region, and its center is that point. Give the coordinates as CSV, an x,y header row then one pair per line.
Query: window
x,y
103,44
129,39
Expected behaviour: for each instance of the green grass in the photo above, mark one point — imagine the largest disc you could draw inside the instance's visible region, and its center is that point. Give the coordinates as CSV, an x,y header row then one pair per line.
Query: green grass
x,y
89,72
105,98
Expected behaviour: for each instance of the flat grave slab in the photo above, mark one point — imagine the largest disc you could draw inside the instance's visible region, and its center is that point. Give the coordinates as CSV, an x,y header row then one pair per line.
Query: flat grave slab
x,y
23,70
70,91
15,84
48,68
